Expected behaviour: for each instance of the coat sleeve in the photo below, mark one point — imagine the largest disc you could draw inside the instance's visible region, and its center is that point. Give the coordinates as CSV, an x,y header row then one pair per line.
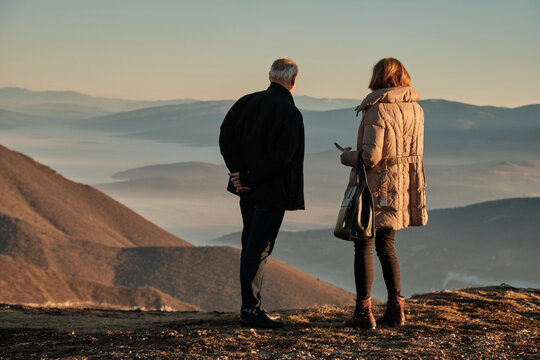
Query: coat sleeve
x,y
229,144
286,138
373,139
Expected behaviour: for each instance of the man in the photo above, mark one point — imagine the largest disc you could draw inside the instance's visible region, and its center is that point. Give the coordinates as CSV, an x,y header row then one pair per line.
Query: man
x,y
262,143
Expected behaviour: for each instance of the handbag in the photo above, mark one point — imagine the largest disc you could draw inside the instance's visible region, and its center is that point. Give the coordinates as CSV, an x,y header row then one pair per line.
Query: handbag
x,y
356,218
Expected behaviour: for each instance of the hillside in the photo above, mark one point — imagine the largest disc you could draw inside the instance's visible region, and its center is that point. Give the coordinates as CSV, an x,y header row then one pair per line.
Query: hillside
x,y
46,203
481,244
66,243
207,277
483,323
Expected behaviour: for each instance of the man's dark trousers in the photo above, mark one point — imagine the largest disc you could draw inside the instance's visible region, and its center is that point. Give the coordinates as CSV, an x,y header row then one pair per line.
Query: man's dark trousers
x,y
261,226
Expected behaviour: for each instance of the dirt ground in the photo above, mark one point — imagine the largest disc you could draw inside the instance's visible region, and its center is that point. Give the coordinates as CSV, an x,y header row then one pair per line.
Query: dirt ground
x,y
483,323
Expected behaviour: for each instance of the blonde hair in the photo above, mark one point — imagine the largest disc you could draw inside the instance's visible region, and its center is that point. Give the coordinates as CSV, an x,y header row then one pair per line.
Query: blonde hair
x,y
389,72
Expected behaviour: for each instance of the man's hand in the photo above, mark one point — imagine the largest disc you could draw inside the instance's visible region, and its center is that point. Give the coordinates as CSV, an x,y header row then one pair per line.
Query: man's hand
x,y
235,179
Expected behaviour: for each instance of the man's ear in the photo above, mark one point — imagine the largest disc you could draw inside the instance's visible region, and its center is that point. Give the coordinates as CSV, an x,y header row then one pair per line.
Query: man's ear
x,y
293,81
269,76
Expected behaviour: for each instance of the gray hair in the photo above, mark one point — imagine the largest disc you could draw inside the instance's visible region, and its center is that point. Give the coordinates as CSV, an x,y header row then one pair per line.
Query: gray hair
x,y
283,69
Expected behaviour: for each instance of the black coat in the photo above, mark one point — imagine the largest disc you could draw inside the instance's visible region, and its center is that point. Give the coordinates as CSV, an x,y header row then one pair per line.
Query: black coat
x,y
262,137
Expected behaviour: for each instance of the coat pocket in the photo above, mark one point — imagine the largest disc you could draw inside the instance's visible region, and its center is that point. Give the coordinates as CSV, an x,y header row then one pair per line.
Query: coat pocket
x,y
386,198
374,184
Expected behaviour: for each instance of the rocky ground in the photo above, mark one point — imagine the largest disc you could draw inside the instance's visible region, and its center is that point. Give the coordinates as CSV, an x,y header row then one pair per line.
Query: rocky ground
x,y
483,323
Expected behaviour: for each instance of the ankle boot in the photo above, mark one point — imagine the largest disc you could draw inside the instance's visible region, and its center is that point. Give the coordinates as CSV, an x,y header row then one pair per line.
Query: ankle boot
x,y
363,317
395,312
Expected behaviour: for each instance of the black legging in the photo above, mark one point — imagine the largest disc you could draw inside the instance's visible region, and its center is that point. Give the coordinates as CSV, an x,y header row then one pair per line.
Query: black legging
x,y
363,264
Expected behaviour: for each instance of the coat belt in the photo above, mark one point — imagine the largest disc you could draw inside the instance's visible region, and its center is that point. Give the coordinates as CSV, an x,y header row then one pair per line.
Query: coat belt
x,y
403,160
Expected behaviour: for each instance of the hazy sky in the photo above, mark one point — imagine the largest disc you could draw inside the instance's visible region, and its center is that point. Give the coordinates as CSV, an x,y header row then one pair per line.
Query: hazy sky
x,y
479,52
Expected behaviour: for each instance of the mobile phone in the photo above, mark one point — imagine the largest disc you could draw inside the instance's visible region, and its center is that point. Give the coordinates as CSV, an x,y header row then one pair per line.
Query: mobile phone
x,y
339,147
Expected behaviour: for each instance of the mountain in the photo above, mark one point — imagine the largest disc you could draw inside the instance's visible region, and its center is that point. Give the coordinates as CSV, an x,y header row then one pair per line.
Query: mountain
x,y
13,96
207,277
195,124
56,111
481,244
188,180
17,97
304,102
66,243
12,119
457,130
44,202
201,180
452,129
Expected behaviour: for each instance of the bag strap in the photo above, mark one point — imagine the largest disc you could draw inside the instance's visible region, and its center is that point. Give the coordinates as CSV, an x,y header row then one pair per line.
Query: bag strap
x,y
360,174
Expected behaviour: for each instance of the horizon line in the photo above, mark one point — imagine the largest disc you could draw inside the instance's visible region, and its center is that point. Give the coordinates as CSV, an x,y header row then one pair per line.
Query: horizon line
x,y
232,99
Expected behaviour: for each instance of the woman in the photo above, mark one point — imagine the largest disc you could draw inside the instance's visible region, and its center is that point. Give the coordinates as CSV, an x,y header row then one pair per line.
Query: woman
x,y
390,142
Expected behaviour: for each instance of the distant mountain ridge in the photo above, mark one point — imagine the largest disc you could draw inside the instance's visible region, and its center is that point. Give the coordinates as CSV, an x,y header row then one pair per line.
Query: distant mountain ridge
x,y
64,242
14,96
195,179
309,103
12,119
449,126
191,124
21,98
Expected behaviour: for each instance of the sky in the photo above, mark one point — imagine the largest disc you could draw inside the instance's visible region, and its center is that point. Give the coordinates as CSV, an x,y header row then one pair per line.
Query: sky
x,y
482,52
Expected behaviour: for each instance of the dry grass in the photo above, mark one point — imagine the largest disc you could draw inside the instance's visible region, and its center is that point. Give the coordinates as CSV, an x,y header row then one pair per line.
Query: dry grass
x,y
484,323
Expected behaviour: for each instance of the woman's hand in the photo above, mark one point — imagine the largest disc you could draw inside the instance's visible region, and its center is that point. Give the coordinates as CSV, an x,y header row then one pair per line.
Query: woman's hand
x,y
348,157
357,109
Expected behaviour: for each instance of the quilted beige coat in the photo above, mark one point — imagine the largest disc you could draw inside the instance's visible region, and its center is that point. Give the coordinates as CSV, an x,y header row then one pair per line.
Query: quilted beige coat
x,y
391,135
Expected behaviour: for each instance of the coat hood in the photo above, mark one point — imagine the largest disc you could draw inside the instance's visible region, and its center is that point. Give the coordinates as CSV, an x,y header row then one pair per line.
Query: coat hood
x,y
390,95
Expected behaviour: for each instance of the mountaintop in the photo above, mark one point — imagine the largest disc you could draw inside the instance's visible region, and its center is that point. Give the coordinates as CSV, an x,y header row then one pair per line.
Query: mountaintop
x,y
498,322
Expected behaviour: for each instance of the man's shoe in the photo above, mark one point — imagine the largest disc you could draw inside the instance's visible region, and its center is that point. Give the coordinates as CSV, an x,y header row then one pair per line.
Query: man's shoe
x,y
273,316
260,318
